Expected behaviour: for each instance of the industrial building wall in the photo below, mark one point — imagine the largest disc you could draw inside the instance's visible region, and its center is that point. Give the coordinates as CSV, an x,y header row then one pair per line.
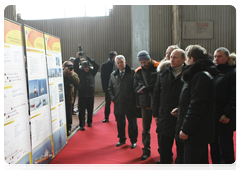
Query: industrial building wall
x,y
224,25
97,35
160,21
10,12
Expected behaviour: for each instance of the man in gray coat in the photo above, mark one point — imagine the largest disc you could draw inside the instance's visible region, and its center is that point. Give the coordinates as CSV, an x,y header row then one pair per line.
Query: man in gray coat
x,y
121,92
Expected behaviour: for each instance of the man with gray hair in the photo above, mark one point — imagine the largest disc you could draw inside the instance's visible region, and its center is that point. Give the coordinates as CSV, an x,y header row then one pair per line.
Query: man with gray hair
x,y
144,79
222,150
121,92
165,98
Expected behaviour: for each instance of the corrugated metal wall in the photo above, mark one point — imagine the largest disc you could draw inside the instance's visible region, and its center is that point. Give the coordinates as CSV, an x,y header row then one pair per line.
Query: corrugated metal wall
x,y
160,20
97,35
10,12
224,25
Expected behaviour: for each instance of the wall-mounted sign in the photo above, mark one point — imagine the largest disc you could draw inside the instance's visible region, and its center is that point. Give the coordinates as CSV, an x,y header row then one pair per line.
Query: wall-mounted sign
x,y
197,30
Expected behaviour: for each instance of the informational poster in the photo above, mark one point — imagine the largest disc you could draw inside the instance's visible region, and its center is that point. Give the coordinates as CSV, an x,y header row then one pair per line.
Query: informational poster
x,y
17,146
40,108
197,30
56,88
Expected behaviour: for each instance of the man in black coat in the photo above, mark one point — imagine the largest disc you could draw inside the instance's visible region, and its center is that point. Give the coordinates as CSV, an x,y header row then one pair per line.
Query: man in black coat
x,y
165,98
106,69
144,91
222,150
86,89
195,123
122,94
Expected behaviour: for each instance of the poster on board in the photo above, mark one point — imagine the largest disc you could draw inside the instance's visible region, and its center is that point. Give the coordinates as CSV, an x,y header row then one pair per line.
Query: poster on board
x,y
17,146
56,88
40,108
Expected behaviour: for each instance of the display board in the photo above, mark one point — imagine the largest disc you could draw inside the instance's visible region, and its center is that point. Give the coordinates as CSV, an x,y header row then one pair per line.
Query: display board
x,y
40,109
17,146
56,88
197,30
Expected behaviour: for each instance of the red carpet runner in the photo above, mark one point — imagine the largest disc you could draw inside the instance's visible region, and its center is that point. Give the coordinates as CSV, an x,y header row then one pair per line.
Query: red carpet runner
x,y
96,145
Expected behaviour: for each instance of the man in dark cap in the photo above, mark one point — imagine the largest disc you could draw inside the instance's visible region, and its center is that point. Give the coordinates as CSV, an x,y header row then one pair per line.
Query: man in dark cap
x,y
86,89
144,80
106,69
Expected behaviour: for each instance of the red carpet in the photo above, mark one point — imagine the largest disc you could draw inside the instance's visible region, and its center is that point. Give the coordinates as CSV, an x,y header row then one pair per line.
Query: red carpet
x,y
96,145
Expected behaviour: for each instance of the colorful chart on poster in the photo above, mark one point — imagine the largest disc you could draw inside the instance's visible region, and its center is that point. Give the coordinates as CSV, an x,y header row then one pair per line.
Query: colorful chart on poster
x,y
40,108
17,146
56,86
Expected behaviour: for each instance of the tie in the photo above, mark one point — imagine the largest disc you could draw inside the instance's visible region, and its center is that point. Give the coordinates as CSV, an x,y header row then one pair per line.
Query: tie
x,y
121,74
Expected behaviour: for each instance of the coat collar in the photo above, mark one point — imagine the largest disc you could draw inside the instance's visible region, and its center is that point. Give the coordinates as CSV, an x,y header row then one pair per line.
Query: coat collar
x,y
153,64
127,70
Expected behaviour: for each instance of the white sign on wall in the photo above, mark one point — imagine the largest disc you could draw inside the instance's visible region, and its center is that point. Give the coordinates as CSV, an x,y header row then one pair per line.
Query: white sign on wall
x,y
197,30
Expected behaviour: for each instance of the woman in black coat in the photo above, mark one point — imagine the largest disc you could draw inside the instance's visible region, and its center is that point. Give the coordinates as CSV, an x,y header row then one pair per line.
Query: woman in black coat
x,y
195,123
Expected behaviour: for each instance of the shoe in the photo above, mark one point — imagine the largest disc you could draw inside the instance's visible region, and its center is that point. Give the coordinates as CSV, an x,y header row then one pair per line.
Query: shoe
x,y
89,125
144,156
68,132
157,163
133,145
105,120
120,144
82,128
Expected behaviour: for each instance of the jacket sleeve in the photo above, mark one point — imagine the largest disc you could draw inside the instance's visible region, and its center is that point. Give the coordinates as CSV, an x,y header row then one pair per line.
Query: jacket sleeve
x,y
74,79
103,79
199,85
230,110
76,65
156,97
95,65
135,87
110,89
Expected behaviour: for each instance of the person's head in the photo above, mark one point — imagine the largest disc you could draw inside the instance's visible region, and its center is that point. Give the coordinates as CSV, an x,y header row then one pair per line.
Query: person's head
x,y
221,56
68,67
144,58
72,59
177,58
82,60
112,55
169,51
86,66
195,53
120,62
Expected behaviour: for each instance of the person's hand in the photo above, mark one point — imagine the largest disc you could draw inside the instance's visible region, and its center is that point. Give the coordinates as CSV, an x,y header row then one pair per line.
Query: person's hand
x,y
183,136
175,112
224,119
77,55
156,119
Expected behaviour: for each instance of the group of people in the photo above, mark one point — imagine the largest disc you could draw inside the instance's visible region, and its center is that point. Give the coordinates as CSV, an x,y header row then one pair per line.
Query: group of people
x,y
190,94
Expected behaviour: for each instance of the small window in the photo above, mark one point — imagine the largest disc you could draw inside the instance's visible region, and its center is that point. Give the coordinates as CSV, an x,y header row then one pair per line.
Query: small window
x,y
39,12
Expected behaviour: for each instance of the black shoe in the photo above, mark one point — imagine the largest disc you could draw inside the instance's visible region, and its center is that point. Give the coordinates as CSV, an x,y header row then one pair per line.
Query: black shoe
x,y
105,120
82,128
89,125
157,163
133,145
120,144
144,156
68,132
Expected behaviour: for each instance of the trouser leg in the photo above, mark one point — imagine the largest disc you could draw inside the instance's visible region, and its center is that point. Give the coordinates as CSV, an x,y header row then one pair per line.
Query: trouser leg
x,y
81,107
226,146
132,127
195,153
180,152
90,104
69,116
215,150
146,122
165,144
121,123
107,105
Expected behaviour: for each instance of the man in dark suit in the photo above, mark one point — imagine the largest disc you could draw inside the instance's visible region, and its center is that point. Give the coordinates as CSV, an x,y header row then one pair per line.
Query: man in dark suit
x,y
106,69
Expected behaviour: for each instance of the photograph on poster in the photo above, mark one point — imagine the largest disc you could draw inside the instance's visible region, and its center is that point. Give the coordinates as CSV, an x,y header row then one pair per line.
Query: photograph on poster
x,y
57,61
42,85
60,88
59,139
60,97
38,102
32,105
59,72
44,100
33,89
43,153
